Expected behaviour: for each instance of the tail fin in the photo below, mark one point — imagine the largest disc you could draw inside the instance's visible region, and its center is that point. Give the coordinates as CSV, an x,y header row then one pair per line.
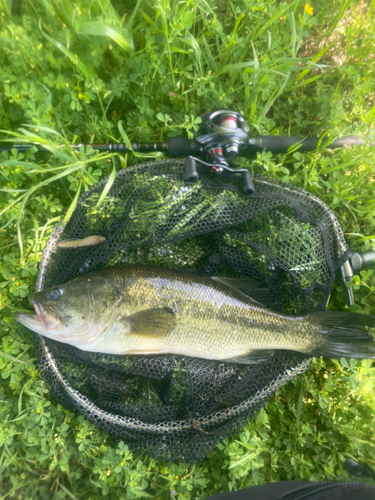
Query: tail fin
x,y
345,335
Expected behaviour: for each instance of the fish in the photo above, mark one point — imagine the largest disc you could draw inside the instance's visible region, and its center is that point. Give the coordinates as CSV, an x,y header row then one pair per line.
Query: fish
x,y
145,310
89,241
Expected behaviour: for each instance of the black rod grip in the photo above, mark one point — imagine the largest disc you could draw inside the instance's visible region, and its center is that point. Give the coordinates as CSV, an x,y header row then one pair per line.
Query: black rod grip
x,y
281,144
180,146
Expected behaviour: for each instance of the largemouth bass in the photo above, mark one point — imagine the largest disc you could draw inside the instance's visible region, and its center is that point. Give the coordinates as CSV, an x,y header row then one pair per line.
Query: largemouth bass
x,y
149,310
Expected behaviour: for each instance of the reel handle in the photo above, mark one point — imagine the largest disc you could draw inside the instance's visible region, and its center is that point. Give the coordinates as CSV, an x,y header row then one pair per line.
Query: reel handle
x,y
248,186
191,173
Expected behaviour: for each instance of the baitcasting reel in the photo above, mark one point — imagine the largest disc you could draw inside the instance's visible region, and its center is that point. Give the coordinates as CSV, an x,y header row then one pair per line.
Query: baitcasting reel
x,y
222,136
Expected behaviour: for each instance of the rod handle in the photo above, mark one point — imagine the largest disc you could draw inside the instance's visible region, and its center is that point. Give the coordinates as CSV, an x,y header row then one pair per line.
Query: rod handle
x,y
281,144
361,260
180,146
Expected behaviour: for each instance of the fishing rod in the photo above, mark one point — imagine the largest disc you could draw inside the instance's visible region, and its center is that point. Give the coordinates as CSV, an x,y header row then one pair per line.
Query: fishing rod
x,y
223,135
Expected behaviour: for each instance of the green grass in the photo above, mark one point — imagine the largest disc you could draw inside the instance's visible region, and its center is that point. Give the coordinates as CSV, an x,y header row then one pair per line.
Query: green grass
x,y
96,72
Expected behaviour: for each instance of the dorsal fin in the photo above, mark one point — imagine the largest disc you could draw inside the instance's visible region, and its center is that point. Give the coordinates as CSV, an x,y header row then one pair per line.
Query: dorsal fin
x,y
258,291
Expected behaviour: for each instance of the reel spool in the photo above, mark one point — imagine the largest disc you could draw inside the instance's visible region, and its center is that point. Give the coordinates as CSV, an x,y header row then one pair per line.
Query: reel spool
x,y
222,136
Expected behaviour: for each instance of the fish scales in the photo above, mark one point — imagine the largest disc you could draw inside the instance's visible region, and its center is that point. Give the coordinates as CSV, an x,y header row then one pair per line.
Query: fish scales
x,y
149,310
209,311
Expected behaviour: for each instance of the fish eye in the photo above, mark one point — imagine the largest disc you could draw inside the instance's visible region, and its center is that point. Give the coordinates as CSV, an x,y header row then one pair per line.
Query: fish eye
x,y
54,294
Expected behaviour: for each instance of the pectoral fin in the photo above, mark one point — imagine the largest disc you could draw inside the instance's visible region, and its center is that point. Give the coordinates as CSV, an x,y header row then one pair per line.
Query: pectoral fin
x,y
256,356
152,323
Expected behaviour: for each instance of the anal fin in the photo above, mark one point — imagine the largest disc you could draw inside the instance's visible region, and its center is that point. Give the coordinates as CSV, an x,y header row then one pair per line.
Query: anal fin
x,y
253,357
146,352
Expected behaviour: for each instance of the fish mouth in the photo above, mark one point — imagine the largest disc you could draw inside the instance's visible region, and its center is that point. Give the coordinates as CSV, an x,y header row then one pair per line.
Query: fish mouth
x,y
48,317
31,321
45,322
40,317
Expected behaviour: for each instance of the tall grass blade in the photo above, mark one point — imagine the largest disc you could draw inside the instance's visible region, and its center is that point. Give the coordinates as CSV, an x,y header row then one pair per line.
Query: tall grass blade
x,y
133,15
107,187
340,14
19,163
98,28
85,70
11,358
73,204
124,135
272,19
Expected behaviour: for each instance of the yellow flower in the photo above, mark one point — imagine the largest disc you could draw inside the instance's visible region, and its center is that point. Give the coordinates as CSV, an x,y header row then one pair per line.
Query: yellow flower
x,y
356,282
80,96
221,97
176,477
122,463
284,18
309,9
17,95
17,283
363,79
135,483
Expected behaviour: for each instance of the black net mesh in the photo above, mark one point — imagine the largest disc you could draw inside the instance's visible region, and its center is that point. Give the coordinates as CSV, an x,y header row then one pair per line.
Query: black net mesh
x,y
175,407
